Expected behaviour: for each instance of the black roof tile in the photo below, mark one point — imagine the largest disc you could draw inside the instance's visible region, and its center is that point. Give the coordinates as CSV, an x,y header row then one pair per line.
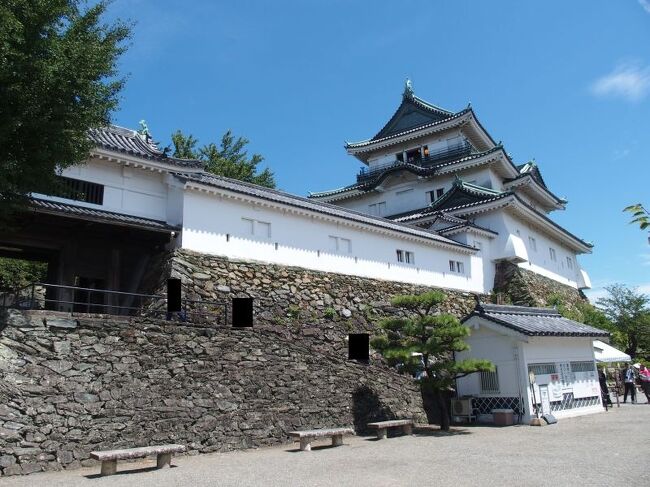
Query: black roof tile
x,y
535,321
131,142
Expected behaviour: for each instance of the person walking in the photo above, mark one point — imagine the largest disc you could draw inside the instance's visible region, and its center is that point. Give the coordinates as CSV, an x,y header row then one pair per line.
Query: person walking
x,y
604,391
644,375
628,379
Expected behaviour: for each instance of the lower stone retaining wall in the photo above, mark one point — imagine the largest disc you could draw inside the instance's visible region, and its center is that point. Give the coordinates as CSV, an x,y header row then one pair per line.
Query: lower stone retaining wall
x,y
72,385
104,384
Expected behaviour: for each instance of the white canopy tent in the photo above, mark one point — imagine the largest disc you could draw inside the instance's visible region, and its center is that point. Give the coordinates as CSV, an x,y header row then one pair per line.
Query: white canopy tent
x,y
607,354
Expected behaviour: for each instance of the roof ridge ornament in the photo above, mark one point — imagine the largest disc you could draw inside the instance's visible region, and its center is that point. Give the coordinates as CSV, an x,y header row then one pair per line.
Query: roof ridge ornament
x,y
408,89
144,128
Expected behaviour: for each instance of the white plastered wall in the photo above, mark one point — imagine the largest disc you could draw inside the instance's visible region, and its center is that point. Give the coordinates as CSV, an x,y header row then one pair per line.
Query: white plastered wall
x,y
539,261
127,190
213,224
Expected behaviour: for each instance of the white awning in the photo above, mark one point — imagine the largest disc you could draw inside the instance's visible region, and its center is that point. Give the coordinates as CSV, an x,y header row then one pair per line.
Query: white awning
x,y
607,354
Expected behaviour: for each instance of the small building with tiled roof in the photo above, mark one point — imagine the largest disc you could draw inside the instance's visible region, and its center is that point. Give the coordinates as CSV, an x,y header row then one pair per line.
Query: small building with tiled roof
x,y
427,163
543,362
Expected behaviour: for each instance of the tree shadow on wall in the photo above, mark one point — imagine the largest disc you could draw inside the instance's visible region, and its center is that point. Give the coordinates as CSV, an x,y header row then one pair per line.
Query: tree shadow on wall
x,y
368,408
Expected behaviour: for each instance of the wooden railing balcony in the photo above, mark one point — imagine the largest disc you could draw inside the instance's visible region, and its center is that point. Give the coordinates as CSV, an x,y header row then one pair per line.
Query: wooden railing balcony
x,y
433,159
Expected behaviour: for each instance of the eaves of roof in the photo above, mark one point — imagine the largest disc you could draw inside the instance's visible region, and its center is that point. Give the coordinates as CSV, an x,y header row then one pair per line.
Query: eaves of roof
x,y
412,168
528,178
371,142
130,142
518,200
101,216
535,321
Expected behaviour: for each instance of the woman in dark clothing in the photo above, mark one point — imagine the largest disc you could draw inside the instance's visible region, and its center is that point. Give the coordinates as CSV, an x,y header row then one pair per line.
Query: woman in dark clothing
x,y
604,391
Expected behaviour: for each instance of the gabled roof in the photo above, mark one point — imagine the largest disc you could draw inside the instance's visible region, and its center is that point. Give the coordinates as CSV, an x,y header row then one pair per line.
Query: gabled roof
x,y
282,198
486,157
101,216
416,118
413,112
465,199
463,194
534,321
531,168
131,142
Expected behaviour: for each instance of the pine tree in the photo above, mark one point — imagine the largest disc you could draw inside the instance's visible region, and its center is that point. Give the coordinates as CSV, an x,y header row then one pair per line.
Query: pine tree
x,y
423,342
228,159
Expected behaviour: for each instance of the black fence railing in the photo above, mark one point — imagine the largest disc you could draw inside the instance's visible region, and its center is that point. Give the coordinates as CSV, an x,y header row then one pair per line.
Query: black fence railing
x,y
74,299
433,159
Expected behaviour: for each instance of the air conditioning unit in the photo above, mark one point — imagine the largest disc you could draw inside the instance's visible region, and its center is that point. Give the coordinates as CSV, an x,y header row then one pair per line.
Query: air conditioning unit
x,y
461,407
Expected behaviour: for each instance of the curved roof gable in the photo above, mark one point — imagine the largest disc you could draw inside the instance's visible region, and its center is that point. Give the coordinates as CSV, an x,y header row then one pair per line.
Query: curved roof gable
x,y
131,142
413,112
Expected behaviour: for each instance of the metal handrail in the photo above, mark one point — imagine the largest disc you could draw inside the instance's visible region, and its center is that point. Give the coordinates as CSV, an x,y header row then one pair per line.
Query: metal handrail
x,y
432,159
190,307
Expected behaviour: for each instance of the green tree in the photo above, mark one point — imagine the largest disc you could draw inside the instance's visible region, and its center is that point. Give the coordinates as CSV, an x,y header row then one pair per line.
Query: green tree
x,y
58,78
424,342
228,159
18,273
628,311
640,215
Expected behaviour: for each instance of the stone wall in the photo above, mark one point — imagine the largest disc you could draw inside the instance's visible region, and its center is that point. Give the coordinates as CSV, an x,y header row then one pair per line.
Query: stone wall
x,y
314,308
73,385
526,288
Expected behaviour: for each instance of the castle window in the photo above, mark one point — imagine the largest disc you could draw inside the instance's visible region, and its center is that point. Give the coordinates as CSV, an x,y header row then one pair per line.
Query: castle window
x,y
532,243
457,267
256,228
552,255
377,209
569,262
340,245
405,257
434,195
403,192
400,156
78,190
413,155
489,382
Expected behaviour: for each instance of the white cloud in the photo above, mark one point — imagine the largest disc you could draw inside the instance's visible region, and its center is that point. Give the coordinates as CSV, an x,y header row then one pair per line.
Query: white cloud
x,y
645,4
628,80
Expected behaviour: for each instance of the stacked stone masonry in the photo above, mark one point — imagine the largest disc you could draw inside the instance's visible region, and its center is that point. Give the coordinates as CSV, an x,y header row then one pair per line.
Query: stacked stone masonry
x,y
71,385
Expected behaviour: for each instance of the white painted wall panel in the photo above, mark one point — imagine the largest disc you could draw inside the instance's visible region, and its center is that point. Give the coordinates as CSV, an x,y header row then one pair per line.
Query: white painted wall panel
x,y
214,225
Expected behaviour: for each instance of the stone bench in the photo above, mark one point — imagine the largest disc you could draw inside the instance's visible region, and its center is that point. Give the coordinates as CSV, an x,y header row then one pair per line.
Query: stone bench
x,y
382,426
109,458
306,437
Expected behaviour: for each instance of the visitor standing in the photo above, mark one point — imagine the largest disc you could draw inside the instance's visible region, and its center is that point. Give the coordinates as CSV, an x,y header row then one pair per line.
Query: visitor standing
x,y
644,375
628,379
604,391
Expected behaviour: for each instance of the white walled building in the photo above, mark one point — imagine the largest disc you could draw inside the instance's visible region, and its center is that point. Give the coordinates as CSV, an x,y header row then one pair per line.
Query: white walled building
x,y
441,170
519,340
439,204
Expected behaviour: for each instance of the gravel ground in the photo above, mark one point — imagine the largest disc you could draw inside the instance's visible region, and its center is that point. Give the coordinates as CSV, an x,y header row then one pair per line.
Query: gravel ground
x,y
605,449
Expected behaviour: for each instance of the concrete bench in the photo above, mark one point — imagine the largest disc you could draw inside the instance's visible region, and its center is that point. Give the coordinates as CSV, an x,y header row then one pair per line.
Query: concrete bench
x,y
109,458
382,426
306,437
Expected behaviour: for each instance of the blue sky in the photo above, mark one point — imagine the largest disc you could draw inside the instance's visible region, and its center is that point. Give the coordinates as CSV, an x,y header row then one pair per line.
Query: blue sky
x,y
566,83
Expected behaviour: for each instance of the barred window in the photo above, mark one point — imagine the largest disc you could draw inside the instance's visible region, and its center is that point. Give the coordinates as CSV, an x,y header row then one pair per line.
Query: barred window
x,y
76,189
584,366
490,381
542,369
